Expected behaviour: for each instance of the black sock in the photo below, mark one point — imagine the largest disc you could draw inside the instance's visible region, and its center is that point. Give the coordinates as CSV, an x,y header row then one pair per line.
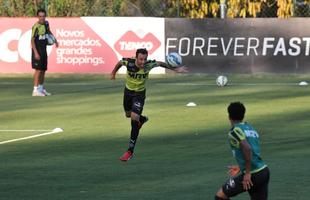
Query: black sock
x,y
142,119
219,198
134,135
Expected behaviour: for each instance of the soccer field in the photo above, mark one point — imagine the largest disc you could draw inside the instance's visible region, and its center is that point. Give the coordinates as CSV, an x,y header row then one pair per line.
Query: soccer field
x,y
182,152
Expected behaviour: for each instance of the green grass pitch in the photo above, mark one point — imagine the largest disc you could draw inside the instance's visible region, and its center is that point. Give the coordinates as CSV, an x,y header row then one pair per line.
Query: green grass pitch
x,y
182,152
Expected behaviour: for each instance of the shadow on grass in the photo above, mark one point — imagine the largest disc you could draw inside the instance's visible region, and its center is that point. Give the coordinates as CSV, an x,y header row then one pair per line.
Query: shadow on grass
x,y
175,164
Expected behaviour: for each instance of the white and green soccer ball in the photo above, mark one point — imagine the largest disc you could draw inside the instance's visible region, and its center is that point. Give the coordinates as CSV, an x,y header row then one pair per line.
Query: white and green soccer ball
x,y
221,81
174,59
50,39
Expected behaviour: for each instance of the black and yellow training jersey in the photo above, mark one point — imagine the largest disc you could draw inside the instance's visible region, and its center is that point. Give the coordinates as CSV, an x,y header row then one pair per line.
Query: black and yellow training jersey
x,y
136,77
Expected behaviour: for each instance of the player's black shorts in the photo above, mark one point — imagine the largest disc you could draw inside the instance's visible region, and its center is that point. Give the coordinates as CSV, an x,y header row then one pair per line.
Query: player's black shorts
x,y
259,190
133,101
39,64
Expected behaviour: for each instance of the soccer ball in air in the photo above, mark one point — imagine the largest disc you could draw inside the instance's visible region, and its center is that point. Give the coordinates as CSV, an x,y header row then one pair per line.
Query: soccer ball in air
x,y
221,81
174,59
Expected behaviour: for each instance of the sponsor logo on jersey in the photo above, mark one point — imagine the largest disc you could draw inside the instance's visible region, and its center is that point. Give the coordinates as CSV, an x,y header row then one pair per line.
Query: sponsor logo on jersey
x,y
251,133
137,76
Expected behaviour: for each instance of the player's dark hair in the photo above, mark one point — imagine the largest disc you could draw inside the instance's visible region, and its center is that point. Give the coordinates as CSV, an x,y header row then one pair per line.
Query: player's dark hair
x,y
236,111
141,51
41,10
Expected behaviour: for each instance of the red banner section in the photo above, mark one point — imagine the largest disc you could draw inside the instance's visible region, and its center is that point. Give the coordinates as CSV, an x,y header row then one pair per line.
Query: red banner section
x,y
130,41
86,45
80,48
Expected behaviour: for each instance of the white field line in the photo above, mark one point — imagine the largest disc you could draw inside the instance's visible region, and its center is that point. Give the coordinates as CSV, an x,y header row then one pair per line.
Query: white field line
x,y
32,136
12,130
61,83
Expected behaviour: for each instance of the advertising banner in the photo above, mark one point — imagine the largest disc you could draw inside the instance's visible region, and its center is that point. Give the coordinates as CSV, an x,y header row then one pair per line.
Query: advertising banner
x,y
95,44
86,45
241,45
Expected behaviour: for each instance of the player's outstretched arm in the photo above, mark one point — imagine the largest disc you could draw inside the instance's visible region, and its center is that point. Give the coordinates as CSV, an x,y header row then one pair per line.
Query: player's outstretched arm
x,y
116,68
181,69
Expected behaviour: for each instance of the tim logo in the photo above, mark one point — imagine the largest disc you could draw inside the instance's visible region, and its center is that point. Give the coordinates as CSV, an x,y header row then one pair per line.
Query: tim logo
x,y
130,42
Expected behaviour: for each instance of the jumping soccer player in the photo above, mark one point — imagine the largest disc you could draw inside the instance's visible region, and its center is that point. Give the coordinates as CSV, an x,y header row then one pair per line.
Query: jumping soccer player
x,y
251,174
138,69
39,54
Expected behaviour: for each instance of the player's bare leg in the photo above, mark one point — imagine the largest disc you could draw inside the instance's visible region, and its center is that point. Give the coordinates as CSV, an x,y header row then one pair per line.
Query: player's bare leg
x,y
36,78
36,82
41,83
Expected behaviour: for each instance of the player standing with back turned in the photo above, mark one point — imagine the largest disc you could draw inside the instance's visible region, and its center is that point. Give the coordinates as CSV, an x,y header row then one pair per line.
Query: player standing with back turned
x,y
251,174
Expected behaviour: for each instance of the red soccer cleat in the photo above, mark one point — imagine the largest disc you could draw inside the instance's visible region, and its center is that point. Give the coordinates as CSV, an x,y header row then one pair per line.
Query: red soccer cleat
x,y
126,156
